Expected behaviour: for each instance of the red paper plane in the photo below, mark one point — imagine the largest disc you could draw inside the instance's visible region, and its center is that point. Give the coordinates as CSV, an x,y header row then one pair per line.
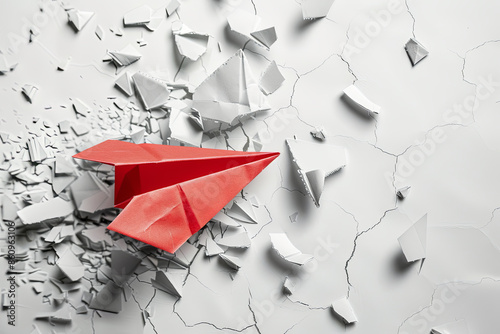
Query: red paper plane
x,y
169,192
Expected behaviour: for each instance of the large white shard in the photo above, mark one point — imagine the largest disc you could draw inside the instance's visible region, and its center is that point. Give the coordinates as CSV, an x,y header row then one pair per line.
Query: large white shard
x,y
5,65
271,79
250,26
314,162
456,327
416,51
79,19
125,56
70,265
211,247
344,309
284,247
168,282
108,299
360,102
403,192
152,92
315,9
230,93
190,44
413,242
138,16
54,208
223,218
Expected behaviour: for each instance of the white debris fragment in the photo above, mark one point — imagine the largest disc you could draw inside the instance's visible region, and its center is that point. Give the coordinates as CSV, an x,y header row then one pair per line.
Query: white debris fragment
x,y
90,194
232,261
183,129
211,247
416,51
315,9
403,192
230,93
125,83
239,240
99,32
138,16
190,44
63,65
152,91
80,129
250,26
288,286
169,282
78,18
80,107
125,56
29,92
271,79
222,218
314,162
5,65
360,102
344,309
319,133
283,246
243,211
54,208
70,265
171,6
413,242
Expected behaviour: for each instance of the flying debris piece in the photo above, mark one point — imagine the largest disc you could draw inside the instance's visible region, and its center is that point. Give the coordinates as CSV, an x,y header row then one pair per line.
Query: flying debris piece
x,y
29,92
344,309
123,265
230,93
240,240
456,327
250,26
416,51
242,210
272,79
211,247
5,66
294,217
222,218
288,286
284,247
183,129
155,201
78,19
360,102
61,316
80,107
70,265
319,133
403,192
414,241
108,299
54,208
315,9
232,261
90,194
138,16
190,44
171,6
169,282
314,162
99,32
125,56
195,116
153,92
124,82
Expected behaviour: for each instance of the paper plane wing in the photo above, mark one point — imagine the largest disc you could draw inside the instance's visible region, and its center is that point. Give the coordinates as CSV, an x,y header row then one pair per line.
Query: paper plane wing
x,y
170,192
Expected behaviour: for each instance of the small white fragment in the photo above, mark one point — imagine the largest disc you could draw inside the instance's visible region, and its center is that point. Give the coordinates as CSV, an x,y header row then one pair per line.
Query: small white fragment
x,y
315,9
29,92
232,261
240,240
171,6
403,192
359,101
271,79
344,309
79,19
284,247
416,51
413,242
